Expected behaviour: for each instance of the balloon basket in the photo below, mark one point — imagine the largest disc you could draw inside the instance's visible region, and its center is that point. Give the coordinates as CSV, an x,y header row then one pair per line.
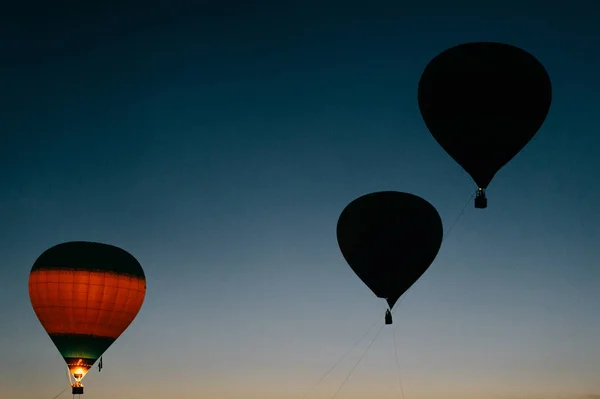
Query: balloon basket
x,y
77,389
480,199
388,317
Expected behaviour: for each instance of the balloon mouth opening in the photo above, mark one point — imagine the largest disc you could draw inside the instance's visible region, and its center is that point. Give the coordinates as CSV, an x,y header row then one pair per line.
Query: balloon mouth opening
x,y
78,371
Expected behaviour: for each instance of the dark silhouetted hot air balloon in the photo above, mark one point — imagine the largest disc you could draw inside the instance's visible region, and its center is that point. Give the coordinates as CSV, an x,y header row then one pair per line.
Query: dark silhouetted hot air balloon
x,y
85,294
389,239
483,102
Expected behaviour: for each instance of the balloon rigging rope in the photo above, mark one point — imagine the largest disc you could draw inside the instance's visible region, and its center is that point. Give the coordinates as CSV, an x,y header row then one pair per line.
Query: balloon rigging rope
x,y
397,363
70,383
341,358
358,362
63,391
460,214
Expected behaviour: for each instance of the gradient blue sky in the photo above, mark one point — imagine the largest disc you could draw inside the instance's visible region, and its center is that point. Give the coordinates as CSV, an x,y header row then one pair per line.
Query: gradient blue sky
x,y
220,146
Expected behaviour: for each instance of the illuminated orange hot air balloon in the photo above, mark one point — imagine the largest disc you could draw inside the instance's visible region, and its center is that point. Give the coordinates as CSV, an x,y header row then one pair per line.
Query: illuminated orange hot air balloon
x,y
85,294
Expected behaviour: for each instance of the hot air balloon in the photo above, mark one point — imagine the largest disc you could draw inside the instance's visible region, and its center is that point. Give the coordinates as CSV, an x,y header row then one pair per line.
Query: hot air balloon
x,y
389,239
483,102
85,294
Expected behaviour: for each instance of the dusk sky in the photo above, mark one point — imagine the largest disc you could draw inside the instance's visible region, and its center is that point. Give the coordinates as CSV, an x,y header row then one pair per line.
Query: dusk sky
x,y
218,144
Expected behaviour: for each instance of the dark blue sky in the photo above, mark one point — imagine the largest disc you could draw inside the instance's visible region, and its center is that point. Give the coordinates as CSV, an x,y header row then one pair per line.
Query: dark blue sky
x,y
218,145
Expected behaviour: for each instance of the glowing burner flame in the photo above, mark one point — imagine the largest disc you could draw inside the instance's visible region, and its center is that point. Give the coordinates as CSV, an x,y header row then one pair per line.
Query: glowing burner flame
x,y
79,370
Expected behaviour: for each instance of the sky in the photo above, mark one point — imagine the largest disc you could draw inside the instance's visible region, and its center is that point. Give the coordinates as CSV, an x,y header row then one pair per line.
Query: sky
x,y
218,143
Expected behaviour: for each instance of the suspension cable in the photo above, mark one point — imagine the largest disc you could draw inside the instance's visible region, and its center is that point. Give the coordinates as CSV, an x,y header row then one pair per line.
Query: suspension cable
x,y
358,362
340,359
459,215
397,363
63,391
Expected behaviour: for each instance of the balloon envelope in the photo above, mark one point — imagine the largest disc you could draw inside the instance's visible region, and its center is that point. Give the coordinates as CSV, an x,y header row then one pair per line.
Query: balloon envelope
x,y
389,239
85,295
483,102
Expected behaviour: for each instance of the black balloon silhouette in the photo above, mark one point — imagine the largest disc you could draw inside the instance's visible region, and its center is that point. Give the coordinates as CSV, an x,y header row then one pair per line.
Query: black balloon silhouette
x,y
483,102
389,239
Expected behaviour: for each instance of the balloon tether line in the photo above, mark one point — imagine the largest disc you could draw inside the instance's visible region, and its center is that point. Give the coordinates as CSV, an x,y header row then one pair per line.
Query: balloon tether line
x,y
397,363
459,215
340,359
63,391
358,362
